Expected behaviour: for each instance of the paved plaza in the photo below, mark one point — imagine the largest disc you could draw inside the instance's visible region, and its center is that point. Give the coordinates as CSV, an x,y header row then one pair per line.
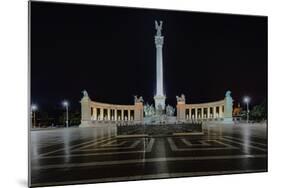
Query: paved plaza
x,y
81,155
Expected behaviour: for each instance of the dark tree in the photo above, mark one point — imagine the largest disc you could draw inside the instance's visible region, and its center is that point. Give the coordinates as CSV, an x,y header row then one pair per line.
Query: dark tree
x,y
259,112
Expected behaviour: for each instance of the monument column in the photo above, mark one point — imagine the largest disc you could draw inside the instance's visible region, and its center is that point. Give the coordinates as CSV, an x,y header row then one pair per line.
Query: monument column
x,y
159,98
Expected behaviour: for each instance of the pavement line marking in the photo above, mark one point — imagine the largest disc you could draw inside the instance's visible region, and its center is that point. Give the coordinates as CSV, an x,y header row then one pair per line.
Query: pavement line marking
x,y
150,145
258,136
188,143
238,139
224,144
150,176
114,144
133,145
73,146
243,144
175,148
204,142
54,143
93,143
172,144
147,150
92,154
47,145
149,160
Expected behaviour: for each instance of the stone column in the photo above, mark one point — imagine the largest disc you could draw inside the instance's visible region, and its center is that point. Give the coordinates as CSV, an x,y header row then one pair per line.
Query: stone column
x,y
95,113
112,114
196,114
220,111
101,114
115,114
208,112
108,114
214,112
122,114
202,113
129,114
132,118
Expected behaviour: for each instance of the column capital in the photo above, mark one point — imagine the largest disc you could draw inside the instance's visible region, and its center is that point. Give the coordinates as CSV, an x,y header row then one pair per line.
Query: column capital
x,y
159,41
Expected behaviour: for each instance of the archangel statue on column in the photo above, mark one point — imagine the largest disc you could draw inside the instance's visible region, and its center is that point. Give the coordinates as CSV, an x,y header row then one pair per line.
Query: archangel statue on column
x,y
158,27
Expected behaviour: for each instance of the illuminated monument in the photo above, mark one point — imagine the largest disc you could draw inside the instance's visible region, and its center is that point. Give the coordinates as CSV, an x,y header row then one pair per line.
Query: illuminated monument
x,y
159,98
95,113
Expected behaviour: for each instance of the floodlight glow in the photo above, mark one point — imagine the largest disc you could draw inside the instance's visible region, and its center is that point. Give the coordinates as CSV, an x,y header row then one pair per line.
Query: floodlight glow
x,y
34,107
247,99
65,103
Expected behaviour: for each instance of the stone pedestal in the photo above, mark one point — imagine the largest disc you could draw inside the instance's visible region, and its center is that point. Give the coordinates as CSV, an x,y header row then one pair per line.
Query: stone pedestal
x,y
138,113
228,108
181,111
160,102
85,111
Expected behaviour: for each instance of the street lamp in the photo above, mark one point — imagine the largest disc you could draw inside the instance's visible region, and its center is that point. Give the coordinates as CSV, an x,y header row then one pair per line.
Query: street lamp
x,y
33,110
247,101
66,104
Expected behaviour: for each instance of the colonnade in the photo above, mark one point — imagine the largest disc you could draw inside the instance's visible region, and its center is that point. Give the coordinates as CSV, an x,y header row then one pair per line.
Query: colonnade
x,y
204,112
93,113
217,110
101,113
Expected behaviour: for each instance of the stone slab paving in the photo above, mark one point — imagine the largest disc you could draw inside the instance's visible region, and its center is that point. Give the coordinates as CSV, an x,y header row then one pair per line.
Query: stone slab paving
x,y
71,159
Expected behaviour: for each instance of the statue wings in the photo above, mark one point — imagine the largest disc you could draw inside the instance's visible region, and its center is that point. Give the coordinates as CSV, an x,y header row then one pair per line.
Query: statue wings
x,y
158,27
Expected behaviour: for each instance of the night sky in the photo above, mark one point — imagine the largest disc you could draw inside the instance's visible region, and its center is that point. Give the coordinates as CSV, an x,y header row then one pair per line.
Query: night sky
x,y
110,52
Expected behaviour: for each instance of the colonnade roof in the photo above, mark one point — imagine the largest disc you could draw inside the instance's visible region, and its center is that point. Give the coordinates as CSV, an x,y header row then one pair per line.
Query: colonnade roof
x,y
196,105
206,104
113,106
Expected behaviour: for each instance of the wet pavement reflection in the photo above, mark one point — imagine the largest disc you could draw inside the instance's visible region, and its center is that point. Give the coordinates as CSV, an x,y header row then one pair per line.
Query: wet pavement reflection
x,y
88,155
